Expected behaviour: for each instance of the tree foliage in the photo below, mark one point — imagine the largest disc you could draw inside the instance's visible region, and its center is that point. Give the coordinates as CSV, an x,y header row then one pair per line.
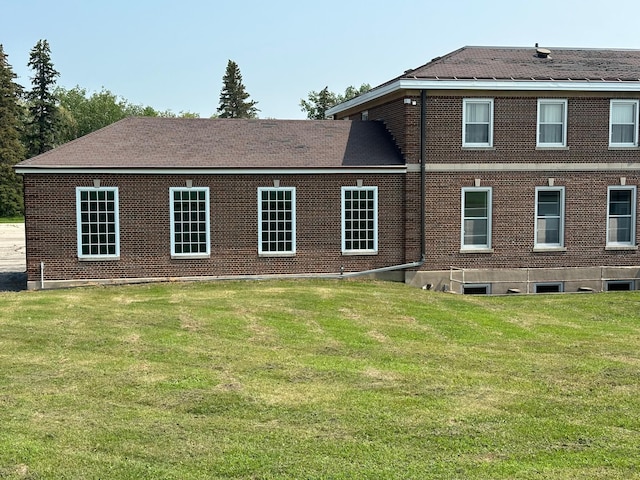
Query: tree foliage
x,y
234,100
11,148
82,112
42,123
317,103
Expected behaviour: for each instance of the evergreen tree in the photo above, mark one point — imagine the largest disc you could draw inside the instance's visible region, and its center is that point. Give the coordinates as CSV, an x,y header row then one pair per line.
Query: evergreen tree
x,y
11,149
43,113
234,101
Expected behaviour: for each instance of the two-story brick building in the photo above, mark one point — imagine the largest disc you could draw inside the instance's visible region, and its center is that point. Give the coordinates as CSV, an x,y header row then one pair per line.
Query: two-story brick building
x,y
530,162
487,170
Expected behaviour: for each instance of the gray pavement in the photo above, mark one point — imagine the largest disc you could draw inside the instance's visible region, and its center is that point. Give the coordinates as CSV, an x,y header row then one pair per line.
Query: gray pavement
x,y
13,263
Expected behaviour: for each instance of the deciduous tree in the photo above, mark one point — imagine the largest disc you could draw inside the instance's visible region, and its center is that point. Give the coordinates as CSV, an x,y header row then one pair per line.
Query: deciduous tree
x,y
317,103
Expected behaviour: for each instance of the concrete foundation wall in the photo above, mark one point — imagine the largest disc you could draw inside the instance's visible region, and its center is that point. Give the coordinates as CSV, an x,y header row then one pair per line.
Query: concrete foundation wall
x,y
524,280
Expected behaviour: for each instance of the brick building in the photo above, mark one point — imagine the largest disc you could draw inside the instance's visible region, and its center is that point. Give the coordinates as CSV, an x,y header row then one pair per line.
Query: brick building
x,y
488,170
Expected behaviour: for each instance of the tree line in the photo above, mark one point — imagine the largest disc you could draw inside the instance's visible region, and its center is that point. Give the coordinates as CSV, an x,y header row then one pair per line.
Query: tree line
x,y
45,116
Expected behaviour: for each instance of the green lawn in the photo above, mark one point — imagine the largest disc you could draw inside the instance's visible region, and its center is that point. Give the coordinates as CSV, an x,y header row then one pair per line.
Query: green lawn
x,y
318,380
11,220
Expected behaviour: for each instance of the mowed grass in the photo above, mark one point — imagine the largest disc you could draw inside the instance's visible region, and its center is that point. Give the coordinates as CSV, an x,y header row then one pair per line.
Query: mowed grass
x,y
317,380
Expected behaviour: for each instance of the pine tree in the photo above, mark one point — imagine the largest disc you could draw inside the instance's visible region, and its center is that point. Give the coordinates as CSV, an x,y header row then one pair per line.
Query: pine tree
x,y
234,101
11,149
43,112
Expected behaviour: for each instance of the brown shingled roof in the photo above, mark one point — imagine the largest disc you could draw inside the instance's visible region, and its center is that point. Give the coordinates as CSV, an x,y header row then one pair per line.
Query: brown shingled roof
x,y
145,142
516,63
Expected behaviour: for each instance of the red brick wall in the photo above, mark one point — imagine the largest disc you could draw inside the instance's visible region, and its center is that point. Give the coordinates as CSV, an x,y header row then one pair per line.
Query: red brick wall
x,y
144,226
514,132
513,220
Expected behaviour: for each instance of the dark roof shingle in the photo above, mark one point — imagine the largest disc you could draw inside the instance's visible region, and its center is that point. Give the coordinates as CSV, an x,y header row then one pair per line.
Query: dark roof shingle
x,y
144,142
519,63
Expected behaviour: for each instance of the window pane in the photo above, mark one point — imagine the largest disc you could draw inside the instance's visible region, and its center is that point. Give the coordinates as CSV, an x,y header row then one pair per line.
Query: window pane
x,y
477,134
477,112
620,202
475,232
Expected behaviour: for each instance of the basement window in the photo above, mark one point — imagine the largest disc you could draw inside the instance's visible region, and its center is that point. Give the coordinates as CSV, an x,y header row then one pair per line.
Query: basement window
x,y
620,285
548,287
476,289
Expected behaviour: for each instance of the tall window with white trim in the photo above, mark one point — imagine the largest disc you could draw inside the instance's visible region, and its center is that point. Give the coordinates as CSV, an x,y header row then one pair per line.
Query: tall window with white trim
x,y
190,236
98,226
476,218
549,217
477,122
623,123
359,220
621,216
552,123
277,220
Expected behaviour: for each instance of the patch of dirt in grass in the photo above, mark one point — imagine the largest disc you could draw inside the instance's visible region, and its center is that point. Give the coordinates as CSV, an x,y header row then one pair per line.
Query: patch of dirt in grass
x,y
378,336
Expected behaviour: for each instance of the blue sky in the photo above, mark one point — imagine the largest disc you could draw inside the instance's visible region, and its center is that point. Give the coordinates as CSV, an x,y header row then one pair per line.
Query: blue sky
x,y
172,54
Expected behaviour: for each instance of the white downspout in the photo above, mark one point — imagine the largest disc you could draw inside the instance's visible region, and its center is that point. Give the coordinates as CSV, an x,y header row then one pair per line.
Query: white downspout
x,y
42,275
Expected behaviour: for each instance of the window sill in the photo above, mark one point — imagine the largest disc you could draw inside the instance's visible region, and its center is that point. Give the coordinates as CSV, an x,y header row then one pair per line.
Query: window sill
x,y
189,257
614,248
276,254
359,252
624,147
476,250
99,259
551,147
478,147
541,249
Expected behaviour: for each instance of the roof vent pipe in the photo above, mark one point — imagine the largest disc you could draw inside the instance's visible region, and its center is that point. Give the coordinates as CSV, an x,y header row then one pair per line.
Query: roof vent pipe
x,y
543,52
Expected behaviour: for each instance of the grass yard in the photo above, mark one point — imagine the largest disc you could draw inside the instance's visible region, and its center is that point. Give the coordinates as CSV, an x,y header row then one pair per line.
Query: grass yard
x,y
317,380
11,219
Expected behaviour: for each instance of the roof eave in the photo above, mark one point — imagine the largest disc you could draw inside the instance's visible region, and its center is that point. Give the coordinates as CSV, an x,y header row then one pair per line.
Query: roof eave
x,y
486,84
80,170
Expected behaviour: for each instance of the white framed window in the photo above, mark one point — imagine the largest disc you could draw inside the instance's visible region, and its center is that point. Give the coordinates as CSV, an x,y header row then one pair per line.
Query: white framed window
x,y
549,229
621,216
476,218
359,220
98,223
477,122
552,123
276,220
623,123
190,232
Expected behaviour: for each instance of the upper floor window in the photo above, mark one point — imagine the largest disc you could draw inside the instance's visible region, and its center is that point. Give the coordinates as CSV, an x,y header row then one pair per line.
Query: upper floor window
x,y
97,219
477,122
623,123
621,216
277,220
359,219
189,222
549,217
476,218
552,123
